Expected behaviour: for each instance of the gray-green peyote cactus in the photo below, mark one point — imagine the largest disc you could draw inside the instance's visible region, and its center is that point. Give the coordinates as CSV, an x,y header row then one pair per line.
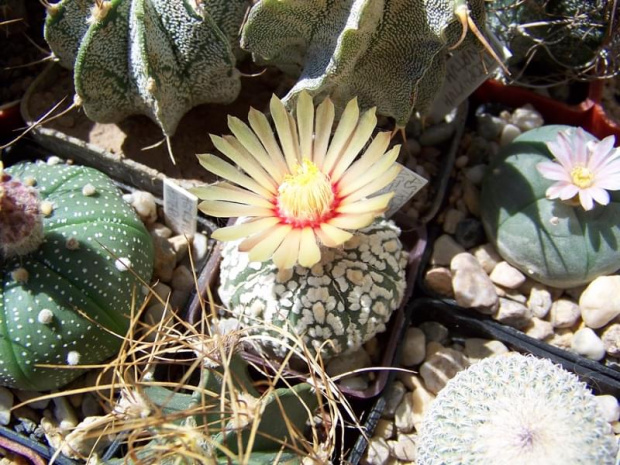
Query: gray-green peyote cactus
x,y
345,299
72,253
153,57
389,54
549,240
515,409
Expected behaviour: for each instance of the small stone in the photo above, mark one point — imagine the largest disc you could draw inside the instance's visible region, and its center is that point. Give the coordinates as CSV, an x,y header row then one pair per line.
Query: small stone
x,y
564,313
165,259
562,338
587,343
90,407
469,233
200,247
385,429
471,197
477,349
600,302
433,347
182,279
538,329
451,219
512,313
154,314
27,396
461,162
487,256
414,347
444,250
374,350
435,332
64,413
539,301
422,400
377,452
489,126
180,244
144,204
472,286
476,173
507,275
437,133
6,404
160,230
403,417
393,397
439,280
608,405
442,366
348,362
512,294
82,443
404,447
509,133
355,383
611,339
162,291
526,118
414,147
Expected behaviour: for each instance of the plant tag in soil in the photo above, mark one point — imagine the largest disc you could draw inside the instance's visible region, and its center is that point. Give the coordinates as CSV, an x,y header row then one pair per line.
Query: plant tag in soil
x,y
466,70
180,209
405,186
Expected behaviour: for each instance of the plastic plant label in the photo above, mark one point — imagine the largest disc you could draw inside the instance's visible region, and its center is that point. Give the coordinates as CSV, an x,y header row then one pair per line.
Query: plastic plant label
x,y
466,70
405,186
180,209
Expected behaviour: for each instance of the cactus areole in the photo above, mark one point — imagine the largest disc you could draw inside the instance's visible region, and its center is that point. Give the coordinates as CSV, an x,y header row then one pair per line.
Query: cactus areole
x,y
71,252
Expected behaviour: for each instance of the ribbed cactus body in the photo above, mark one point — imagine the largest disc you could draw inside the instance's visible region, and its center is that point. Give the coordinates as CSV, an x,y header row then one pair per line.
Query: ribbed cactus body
x,y
557,244
62,303
512,410
389,54
154,57
346,298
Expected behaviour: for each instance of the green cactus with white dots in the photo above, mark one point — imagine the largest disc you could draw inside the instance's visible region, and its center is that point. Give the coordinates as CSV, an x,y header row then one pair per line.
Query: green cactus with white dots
x,y
335,306
72,255
390,54
159,58
549,240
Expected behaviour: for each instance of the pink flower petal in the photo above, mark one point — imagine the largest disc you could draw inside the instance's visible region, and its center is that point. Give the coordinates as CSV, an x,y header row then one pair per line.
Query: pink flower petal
x,y
599,195
580,154
553,171
568,191
586,200
609,181
554,191
601,153
559,150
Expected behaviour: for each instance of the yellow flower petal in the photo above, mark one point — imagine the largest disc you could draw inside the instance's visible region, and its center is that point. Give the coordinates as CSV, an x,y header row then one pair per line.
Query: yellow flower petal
x,y
227,171
375,185
352,221
323,128
374,152
281,118
360,137
309,251
261,127
331,236
372,172
223,209
305,124
348,122
252,145
263,246
245,162
245,229
373,204
230,193
287,254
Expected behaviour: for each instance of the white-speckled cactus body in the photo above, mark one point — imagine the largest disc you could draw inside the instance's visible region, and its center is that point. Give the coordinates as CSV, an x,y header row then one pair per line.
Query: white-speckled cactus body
x,y
154,57
67,289
346,298
514,409
387,53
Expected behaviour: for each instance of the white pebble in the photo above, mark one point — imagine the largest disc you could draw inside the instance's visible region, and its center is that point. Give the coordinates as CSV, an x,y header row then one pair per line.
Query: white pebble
x,y
444,250
64,413
526,118
564,313
414,347
507,275
144,204
403,418
45,316
539,301
487,256
539,329
476,348
442,366
472,286
377,452
200,247
609,407
587,343
53,160
509,133
6,403
600,301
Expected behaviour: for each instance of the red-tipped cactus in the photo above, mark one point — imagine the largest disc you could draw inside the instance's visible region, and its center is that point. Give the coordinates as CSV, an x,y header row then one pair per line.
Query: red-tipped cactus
x,y
72,253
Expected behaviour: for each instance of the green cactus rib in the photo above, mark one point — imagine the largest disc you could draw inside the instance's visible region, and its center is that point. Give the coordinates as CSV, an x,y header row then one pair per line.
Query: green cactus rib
x,y
153,57
389,53
551,242
83,287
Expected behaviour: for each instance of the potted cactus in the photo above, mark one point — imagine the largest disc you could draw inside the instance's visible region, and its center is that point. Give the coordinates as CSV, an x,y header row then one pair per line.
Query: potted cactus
x,y
74,255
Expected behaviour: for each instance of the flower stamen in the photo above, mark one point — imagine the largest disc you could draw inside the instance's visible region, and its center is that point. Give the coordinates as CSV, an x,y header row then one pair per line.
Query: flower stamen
x,y
307,196
582,177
